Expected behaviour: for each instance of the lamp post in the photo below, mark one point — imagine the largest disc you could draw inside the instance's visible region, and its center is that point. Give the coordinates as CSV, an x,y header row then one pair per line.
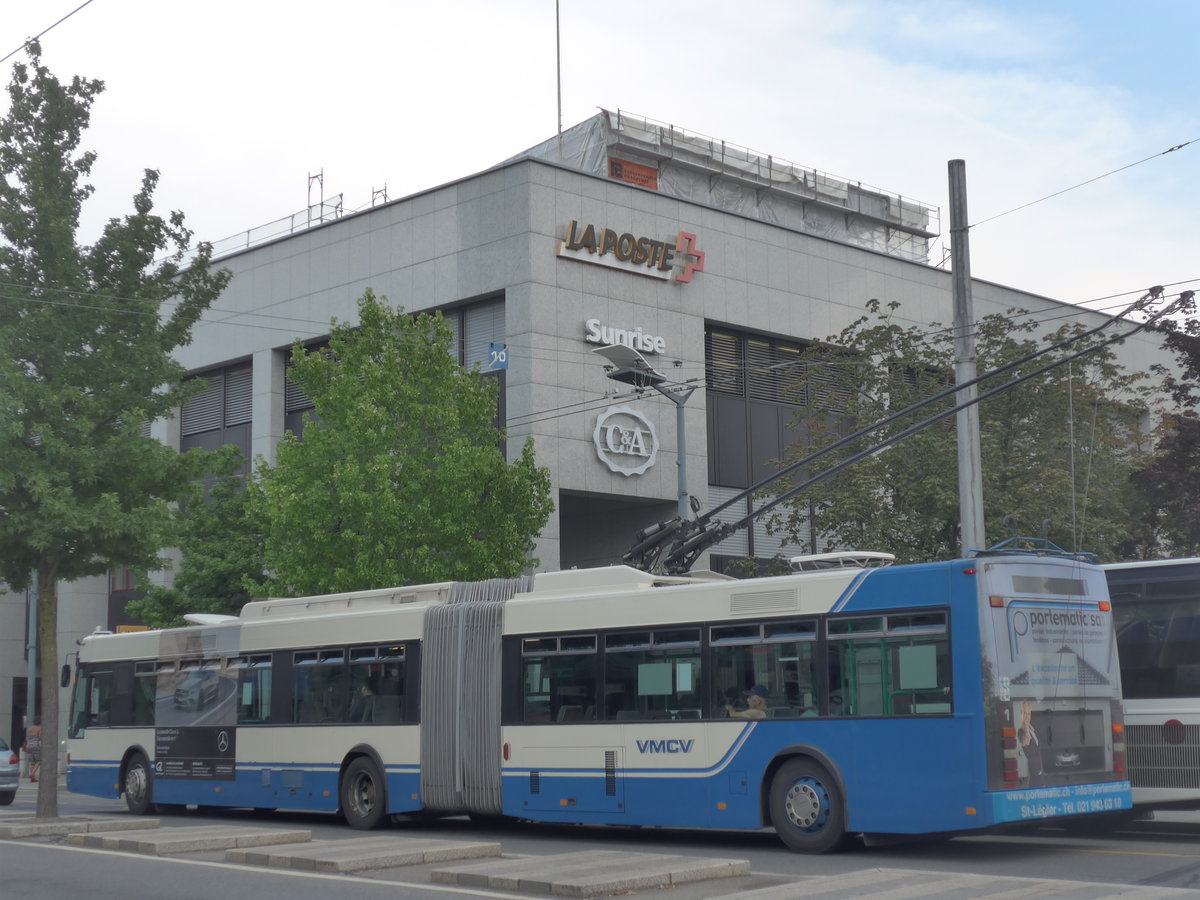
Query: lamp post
x,y
628,366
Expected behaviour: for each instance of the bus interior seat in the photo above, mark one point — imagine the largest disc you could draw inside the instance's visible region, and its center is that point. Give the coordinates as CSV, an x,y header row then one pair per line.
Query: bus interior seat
x,y
627,714
386,710
570,713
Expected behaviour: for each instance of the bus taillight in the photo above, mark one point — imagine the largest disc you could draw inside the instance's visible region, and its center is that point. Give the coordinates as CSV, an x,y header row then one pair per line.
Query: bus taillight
x,y
1118,747
1008,740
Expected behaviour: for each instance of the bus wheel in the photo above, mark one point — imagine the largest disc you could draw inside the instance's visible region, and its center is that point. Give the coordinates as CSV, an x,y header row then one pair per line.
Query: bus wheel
x,y
139,785
806,808
364,794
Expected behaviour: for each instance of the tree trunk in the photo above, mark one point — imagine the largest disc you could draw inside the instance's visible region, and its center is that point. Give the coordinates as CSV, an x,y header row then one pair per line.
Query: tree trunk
x,y
47,801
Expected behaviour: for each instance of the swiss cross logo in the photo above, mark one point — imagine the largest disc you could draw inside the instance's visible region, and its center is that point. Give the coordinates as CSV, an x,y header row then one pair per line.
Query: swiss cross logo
x,y
686,246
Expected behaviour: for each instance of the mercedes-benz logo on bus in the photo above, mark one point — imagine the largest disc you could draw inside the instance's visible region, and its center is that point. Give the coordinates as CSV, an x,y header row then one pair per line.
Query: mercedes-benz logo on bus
x,y
625,440
223,741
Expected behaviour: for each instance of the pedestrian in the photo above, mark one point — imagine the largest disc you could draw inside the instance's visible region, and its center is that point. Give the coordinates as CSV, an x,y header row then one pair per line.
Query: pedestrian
x,y
33,746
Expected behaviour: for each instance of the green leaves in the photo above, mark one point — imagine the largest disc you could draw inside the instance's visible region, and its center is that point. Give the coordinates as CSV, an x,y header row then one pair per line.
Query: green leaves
x,y
399,478
1060,447
86,342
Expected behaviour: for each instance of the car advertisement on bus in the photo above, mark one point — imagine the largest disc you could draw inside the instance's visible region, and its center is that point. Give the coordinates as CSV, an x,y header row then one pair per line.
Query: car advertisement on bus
x,y
195,712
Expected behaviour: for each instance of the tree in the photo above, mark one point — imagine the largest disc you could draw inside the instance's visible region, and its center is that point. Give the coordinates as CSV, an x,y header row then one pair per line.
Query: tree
x,y
1168,479
85,358
222,553
1058,448
400,477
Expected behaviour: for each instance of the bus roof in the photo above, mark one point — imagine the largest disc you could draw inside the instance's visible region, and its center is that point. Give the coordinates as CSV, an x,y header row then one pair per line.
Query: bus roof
x,y
1148,563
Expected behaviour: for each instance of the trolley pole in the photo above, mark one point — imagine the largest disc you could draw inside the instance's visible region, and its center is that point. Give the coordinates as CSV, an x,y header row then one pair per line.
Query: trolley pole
x,y
970,467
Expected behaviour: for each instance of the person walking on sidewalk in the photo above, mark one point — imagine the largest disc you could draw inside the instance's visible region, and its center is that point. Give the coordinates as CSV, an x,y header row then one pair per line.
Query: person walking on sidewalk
x,y
33,746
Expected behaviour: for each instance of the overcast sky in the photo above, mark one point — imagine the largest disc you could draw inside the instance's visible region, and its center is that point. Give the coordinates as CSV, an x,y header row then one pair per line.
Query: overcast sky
x,y
237,103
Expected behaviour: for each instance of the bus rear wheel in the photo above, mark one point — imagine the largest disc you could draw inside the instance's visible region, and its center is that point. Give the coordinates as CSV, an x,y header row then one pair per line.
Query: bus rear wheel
x,y
364,794
806,807
139,785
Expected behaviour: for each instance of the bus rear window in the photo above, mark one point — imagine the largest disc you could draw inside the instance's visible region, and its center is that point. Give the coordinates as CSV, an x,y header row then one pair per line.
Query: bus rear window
x,y
1058,587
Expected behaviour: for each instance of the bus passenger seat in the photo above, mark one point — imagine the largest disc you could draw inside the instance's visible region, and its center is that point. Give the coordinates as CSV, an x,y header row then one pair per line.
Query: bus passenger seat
x,y
570,713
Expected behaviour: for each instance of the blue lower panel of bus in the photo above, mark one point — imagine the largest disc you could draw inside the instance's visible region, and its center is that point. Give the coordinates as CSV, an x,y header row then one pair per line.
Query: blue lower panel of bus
x,y
1065,800
259,786
899,776
94,778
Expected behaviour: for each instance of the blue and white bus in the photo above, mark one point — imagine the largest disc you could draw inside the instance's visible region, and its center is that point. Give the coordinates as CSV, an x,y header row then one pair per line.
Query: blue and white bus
x,y
901,700
1156,612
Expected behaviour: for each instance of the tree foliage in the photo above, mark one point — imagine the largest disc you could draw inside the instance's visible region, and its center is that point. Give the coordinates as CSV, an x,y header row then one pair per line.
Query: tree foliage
x,y
85,358
399,478
222,555
1168,479
1057,449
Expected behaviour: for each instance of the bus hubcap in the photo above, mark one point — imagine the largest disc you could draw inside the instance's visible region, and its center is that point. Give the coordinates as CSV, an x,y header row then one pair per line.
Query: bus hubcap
x,y
135,783
807,804
363,794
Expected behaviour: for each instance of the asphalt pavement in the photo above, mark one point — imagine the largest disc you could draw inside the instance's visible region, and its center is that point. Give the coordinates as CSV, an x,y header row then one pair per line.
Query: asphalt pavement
x,y
480,865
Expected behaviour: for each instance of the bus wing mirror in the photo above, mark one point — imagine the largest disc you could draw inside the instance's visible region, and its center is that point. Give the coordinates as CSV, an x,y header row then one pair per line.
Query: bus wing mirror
x,y
65,678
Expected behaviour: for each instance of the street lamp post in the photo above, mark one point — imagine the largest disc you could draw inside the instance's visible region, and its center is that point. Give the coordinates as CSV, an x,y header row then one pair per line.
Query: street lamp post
x,y
629,367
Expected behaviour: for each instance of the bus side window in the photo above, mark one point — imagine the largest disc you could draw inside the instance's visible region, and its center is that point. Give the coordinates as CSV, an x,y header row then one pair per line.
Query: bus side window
x,y
898,665
254,690
79,703
558,678
92,703
143,693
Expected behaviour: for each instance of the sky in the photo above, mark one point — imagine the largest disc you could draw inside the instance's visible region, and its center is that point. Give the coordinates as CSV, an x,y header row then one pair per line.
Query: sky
x,y
237,104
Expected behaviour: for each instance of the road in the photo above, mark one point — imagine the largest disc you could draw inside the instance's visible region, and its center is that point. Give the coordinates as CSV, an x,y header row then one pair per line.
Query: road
x,y
1160,853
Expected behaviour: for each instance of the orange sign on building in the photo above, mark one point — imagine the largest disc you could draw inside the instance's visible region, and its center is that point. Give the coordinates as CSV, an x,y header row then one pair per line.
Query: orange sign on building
x,y
634,173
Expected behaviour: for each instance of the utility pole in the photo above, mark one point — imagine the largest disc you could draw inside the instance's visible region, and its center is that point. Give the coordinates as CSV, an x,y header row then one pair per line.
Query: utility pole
x,y
970,465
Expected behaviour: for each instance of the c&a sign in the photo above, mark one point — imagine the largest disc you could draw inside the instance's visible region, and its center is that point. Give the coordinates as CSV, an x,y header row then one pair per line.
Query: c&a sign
x,y
625,440
664,260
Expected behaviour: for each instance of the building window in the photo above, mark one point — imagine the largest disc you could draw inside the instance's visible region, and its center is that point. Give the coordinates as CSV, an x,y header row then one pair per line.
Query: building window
x,y
476,328
296,403
754,391
221,413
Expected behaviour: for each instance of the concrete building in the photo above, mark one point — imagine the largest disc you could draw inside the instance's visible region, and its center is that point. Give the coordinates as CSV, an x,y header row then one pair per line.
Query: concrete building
x,y
711,260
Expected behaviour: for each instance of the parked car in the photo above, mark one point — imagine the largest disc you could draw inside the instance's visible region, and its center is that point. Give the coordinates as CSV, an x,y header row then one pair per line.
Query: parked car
x,y
10,773
199,688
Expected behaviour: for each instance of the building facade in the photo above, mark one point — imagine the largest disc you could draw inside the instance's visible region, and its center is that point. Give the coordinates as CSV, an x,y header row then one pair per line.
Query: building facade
x,y
715,263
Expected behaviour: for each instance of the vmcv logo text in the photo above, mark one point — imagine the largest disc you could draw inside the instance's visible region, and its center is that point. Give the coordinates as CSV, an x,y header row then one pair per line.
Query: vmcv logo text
x,y
668,746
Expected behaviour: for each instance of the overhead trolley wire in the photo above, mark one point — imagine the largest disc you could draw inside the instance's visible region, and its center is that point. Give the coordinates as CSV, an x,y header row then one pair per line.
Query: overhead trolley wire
x,y
28,41
1082,183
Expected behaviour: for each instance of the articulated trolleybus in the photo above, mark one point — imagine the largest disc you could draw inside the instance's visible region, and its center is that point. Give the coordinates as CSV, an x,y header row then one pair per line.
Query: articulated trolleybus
x,y
1156,608
853,698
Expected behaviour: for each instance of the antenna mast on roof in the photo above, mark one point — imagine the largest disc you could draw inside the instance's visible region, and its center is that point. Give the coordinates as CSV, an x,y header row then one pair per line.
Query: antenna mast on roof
x,y
558,74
